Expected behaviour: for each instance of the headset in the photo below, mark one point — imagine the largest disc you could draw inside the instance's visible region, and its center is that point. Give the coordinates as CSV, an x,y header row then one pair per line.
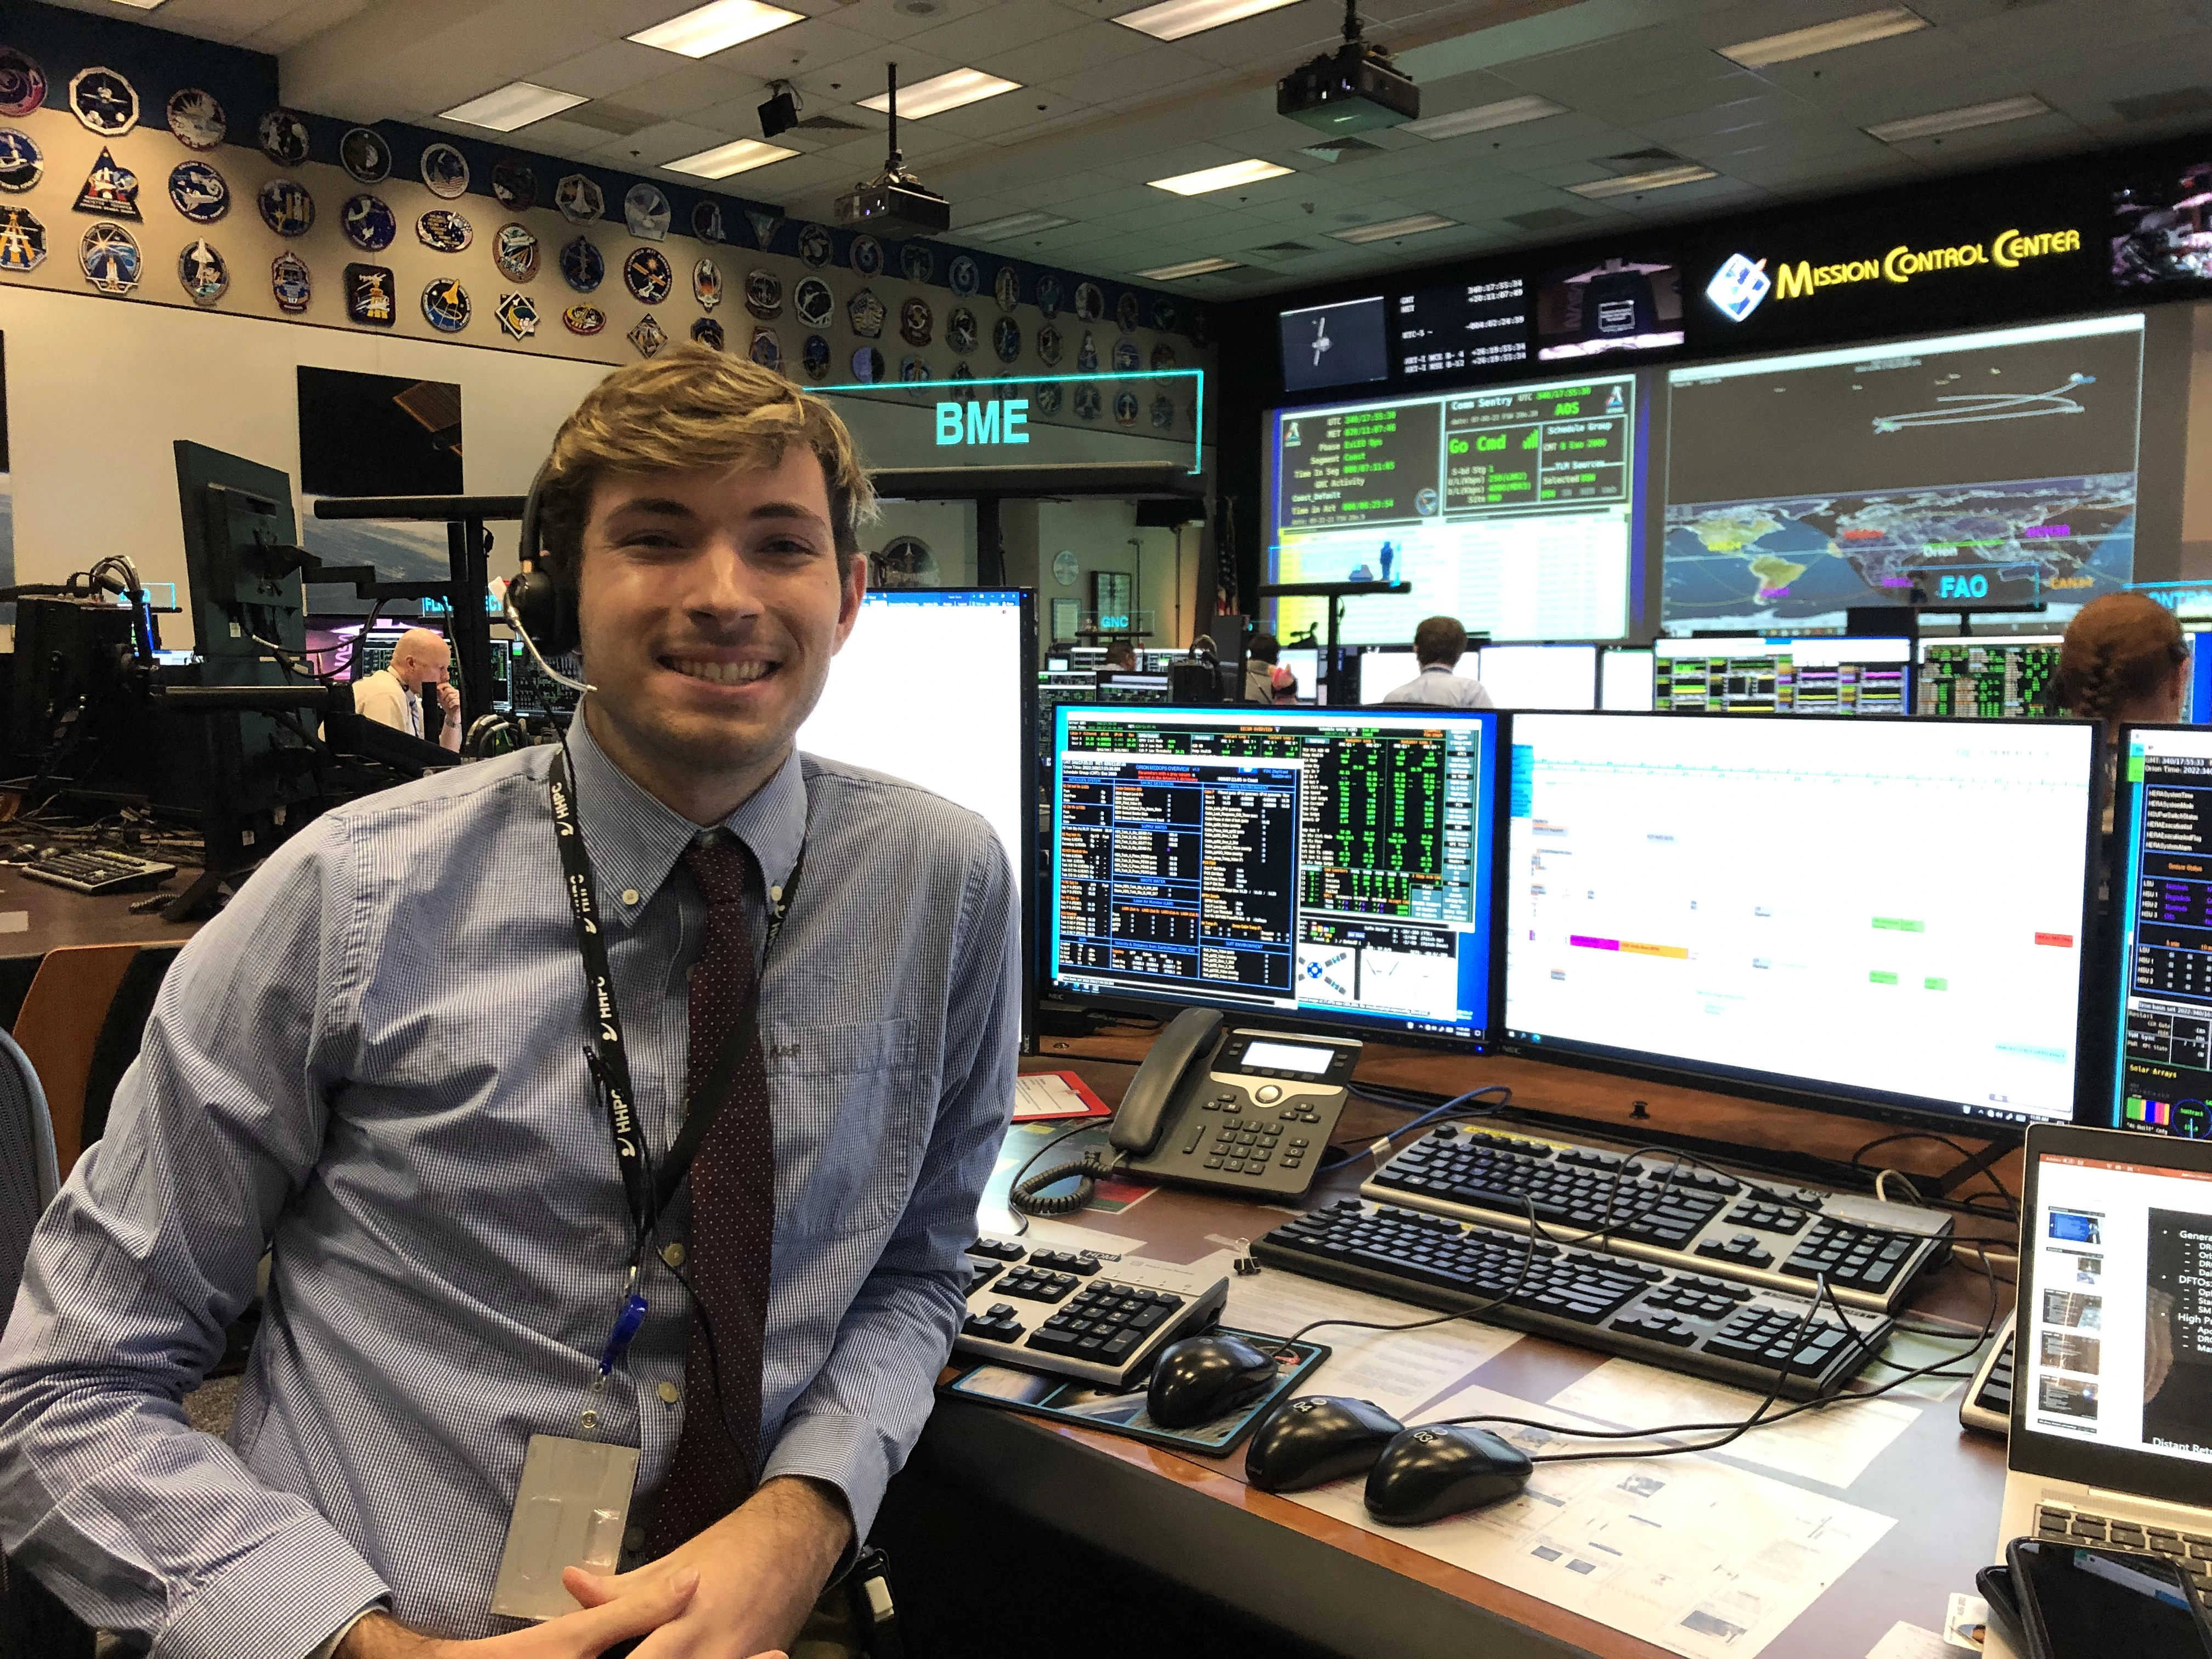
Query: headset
x,y
538,605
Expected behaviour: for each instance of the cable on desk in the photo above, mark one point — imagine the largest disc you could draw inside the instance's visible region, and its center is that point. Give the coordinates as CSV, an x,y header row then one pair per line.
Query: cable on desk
x,y
1382,1144
2004,1193
1023,1195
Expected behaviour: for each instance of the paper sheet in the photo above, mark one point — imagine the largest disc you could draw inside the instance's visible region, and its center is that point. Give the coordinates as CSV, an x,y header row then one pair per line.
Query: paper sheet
x,y
1042,1095
1402,1371
1832,1446
1906,1641
1701,1558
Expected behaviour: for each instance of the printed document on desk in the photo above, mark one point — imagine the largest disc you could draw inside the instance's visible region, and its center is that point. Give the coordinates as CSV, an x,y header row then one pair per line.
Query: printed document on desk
x,y
1832,1445
1701,1558
1404,1372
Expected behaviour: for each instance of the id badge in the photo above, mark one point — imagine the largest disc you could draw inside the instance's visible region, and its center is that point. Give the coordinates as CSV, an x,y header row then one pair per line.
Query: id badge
x,y
570,1512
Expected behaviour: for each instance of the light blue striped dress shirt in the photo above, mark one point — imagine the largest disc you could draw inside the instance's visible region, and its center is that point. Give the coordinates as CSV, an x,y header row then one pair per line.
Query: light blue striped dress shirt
x,y
372,1061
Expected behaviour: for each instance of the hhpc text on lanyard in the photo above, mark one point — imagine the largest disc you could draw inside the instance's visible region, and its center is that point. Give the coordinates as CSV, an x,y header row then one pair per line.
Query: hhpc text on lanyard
x,y
647,1192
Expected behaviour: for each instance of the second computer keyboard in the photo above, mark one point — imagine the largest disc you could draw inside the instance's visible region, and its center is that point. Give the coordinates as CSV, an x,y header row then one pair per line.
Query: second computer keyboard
x,y
97,870
1681,1322
1678,1213
1103,1319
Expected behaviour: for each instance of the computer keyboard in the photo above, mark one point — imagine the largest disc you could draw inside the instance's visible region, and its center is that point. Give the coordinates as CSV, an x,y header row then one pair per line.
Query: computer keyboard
x,y
96,871
1692,1323
2070,1523
1101,1318
1679,1214
1987,1402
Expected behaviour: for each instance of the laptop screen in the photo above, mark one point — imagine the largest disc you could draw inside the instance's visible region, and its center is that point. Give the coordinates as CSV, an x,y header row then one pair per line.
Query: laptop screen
x,y
2114,1343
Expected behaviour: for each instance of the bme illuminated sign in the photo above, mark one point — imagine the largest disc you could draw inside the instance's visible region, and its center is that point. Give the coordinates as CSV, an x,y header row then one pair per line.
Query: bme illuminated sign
x,y
1741,284
1005,421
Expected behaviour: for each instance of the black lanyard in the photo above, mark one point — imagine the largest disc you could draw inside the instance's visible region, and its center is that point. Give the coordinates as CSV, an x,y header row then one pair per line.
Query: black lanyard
x,y
604,1050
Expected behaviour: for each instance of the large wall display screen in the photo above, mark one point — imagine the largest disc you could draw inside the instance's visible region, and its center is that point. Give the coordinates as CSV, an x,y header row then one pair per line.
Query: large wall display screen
x,y
1981,468
1511,509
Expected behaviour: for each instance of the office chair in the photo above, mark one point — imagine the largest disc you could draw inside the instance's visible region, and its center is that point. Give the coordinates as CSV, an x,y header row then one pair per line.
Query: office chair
x,y
32,1624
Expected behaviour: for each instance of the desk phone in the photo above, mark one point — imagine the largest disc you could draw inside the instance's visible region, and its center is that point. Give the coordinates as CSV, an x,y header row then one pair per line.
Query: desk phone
x,y
1248,1112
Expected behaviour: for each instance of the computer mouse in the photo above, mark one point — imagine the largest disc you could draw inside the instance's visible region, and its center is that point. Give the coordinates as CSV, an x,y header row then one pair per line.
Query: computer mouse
x,y
1427,1474
1317,1438
1203,1377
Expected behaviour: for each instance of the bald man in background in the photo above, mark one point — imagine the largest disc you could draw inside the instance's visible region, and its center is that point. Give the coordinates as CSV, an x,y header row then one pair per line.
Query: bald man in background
x,y
393,696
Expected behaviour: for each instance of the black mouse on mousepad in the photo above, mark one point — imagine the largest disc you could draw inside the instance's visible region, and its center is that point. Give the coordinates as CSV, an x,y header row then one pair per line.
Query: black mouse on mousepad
x,y
1202,1377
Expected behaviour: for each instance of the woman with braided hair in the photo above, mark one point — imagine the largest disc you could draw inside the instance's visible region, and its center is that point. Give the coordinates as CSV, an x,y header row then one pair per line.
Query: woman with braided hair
x,y
2125,662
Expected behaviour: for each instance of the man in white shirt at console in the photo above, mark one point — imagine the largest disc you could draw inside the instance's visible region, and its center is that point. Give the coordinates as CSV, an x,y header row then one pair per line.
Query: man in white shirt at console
x,y
1438,644
393,696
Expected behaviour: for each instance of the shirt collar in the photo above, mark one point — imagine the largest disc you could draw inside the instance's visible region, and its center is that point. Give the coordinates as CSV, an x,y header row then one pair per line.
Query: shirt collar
x,y
636,840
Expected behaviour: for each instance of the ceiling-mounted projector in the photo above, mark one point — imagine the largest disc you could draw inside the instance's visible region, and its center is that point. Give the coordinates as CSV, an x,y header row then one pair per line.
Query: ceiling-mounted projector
x,y
895,202
1352,89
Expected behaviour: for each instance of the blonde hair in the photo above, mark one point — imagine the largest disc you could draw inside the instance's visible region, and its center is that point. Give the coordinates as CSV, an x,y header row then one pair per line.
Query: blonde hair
x,y
2118,650
692,409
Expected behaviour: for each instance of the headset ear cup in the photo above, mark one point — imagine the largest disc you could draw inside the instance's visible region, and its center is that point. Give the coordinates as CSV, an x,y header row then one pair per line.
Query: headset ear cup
x,y
546,609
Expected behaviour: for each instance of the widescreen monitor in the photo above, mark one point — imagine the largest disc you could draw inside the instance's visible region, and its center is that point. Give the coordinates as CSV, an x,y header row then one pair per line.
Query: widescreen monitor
x,y
2161,909
1835,674
1514,509
1321,866
1883,916
1537,675
1979,468
934,686
2004,676
1624,682
1340,344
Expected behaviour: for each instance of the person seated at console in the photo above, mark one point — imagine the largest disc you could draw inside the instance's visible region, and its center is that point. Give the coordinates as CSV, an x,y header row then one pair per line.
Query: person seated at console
x,y
1266,680
1438,644
2125,662
393,695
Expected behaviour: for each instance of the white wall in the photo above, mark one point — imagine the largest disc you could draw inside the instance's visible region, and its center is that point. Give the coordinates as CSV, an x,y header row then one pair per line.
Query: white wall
x,y
1099,533
99,390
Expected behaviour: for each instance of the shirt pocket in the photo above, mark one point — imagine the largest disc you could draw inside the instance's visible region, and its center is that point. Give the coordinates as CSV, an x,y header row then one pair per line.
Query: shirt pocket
x,y
851,1123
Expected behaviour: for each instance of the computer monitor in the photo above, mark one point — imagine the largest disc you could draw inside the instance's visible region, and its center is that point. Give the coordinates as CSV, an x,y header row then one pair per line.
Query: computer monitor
x,y
530,690
2161,909
1878,916
372,653
1304,663
1625,684
934,686
1382,671
2197,701
1321,866
1804,674
1539,676
1132,688
2004,676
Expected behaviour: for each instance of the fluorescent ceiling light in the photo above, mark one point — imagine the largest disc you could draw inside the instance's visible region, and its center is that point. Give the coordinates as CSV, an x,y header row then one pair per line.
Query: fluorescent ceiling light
x,y
1482,118
1171,20
1221,178
742,156
1390,228
1194,268
1628,184
514,105
1013,225
715,28
943,91
1824,37
1959,120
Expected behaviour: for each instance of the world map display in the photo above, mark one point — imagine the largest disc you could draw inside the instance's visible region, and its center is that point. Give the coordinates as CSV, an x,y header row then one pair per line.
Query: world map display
x,y
1802,561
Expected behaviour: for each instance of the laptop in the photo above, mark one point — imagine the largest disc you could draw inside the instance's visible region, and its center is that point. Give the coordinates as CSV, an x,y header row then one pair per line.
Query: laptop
x,y
2111,1440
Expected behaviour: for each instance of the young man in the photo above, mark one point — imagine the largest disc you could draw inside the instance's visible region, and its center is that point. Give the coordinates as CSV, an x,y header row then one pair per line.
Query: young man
x,y
1438,644
374,1063
393,696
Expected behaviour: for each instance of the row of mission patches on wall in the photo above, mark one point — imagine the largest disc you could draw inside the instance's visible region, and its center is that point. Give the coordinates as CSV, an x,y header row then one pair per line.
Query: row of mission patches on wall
x,y
105,104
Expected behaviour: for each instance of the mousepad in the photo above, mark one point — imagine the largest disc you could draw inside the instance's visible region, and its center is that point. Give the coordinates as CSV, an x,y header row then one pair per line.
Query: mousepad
x,y
1123,1412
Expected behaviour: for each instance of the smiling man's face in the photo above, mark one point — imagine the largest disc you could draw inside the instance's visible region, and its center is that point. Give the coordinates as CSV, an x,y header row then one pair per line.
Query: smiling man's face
x,y
710,604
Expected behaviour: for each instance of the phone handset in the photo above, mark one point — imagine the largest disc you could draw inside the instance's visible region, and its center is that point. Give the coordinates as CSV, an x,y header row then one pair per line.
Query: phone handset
x,y
1188,1042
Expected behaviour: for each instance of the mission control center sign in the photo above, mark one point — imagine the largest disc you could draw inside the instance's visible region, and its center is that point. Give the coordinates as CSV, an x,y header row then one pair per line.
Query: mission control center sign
x,y
1742,283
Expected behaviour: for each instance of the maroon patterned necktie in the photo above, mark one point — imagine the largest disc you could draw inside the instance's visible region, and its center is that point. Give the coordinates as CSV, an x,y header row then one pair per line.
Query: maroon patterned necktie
x,y
732,1219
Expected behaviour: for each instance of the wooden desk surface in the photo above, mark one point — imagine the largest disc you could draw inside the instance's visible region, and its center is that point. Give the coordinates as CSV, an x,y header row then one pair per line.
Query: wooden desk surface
x,y
1944,1485
54,916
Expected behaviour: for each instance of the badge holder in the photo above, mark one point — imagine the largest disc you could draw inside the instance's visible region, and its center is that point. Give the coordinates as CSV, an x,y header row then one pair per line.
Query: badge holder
x,y
570,1512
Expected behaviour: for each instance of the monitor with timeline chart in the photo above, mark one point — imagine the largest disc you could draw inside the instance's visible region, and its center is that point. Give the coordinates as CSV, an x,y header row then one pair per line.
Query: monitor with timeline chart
x,y
1783,906
1231,858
